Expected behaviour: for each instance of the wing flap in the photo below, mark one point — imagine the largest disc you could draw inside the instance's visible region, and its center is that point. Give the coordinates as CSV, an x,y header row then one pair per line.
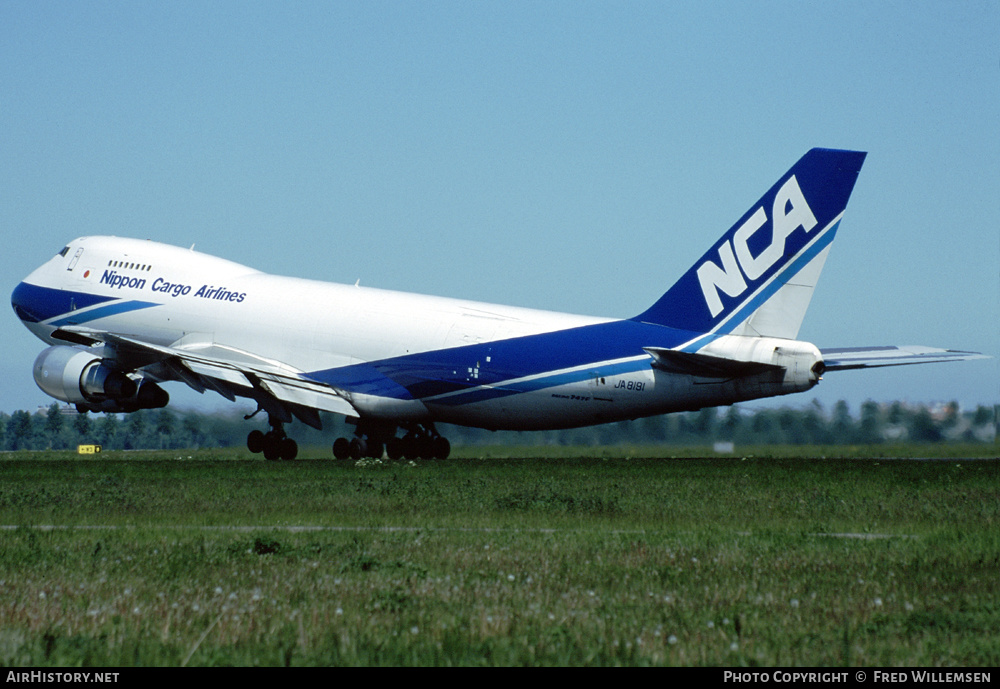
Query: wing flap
x,y
306,393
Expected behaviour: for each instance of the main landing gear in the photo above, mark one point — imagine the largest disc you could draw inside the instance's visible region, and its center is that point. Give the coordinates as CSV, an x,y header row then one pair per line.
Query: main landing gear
x,y
274,444
371,439
421,441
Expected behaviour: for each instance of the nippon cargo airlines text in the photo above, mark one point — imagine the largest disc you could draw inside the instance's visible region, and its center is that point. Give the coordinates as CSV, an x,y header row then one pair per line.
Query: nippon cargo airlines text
x,y
114,280
60,677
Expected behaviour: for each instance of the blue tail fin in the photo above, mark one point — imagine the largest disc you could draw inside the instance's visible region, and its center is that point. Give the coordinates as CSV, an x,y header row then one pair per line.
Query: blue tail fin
x,y
759,276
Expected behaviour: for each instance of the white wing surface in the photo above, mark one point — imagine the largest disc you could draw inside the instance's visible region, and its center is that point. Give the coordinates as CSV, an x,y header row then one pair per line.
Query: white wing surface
x,y
220,368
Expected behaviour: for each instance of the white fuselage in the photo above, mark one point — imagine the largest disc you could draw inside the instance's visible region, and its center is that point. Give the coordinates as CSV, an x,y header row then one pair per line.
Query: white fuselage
x,y
473,363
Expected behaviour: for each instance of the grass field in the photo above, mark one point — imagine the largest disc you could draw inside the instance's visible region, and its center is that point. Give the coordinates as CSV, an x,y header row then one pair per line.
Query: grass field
x,y
761,559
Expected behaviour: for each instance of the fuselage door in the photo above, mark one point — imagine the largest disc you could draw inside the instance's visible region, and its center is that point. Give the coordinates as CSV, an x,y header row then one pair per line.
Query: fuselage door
x,y
76,257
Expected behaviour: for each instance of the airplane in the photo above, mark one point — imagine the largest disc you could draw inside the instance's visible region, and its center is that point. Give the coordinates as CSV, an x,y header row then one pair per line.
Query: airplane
x,y
124,315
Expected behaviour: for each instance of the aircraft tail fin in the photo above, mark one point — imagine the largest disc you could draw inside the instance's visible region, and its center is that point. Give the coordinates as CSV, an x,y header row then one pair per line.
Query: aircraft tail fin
x,y
758,278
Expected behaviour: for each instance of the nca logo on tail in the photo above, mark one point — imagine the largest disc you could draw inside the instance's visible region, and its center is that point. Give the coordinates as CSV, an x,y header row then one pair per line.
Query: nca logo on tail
x,y
789,213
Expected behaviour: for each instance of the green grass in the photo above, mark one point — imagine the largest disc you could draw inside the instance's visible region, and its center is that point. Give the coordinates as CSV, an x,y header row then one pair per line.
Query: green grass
x,y
158,559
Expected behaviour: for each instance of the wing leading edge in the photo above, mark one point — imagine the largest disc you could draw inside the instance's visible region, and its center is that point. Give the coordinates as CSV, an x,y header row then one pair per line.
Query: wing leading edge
x,y
224,370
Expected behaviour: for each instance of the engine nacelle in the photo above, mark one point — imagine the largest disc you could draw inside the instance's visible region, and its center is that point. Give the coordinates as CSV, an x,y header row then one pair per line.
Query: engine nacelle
x,y
81,377
801,362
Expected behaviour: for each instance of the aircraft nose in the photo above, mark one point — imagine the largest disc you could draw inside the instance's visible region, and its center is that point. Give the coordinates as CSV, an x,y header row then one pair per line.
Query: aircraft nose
x,y
24,300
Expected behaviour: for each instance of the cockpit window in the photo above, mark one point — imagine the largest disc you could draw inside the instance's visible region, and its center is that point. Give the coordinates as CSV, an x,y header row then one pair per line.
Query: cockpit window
x,y
64,251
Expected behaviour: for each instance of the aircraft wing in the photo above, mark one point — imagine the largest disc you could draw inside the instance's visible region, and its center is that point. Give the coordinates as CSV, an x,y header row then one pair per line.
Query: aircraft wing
x,y
847,358
209,366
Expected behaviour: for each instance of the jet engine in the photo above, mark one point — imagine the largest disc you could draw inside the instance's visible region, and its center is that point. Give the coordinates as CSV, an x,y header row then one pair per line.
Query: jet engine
x,y
92,383
801,363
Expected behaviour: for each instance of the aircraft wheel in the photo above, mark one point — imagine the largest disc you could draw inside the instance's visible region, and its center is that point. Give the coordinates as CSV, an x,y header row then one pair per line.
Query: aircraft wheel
x,y
341,448
288,449
394,448
272,447
359,448
425,446
411,448
255,441
440,448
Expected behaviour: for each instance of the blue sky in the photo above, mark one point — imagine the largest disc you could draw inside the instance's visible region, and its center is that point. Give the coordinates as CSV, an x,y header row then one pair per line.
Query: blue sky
x,y
573,156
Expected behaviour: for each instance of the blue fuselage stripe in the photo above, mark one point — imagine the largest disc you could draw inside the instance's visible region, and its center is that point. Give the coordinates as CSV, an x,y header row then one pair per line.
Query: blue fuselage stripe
x,y
543,382
34,304
76,318
472,373
59,307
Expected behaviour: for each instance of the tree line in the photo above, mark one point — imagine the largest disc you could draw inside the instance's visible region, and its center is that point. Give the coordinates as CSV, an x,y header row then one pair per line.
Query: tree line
x,y
811,425
59,428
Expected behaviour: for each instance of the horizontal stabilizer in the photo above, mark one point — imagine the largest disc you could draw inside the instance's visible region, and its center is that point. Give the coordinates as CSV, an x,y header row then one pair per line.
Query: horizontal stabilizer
x,y
704,365
847,358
